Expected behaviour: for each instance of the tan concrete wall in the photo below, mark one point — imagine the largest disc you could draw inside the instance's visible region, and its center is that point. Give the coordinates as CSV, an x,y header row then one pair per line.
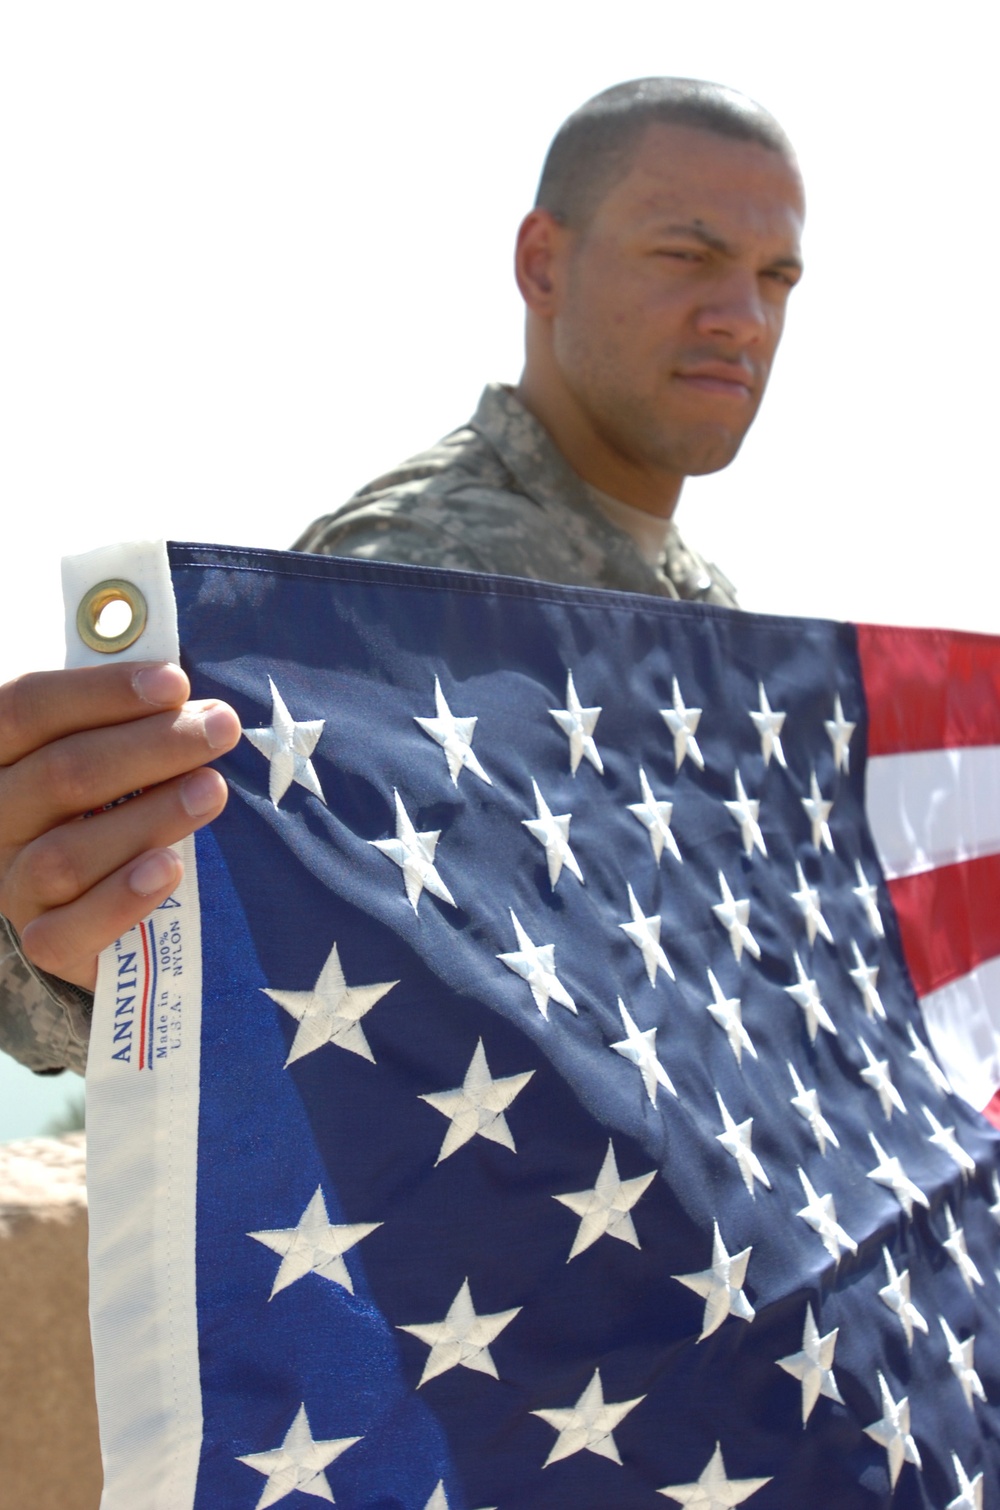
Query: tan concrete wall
x,y
49,1457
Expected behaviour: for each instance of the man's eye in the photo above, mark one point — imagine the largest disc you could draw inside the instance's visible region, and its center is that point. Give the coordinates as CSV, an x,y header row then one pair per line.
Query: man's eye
x,y
679,254
782,276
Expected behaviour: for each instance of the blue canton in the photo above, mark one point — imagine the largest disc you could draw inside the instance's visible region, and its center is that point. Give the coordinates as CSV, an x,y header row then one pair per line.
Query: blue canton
x,y
569,1136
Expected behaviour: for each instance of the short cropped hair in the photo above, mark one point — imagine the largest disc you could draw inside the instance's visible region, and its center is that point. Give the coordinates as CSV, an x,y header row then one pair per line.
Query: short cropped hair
x,y
593,148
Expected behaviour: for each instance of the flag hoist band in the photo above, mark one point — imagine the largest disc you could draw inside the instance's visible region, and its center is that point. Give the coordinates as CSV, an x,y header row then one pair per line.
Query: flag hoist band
x,y
558,1080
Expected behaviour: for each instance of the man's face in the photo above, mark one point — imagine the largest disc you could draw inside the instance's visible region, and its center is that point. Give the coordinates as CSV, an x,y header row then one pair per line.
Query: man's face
x,y
672,298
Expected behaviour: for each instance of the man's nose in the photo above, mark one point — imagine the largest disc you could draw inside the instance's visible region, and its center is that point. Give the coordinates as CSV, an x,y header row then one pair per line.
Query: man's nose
x,y
734,310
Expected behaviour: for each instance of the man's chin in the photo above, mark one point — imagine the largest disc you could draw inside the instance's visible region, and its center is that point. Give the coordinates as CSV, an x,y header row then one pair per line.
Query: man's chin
x,y
705,453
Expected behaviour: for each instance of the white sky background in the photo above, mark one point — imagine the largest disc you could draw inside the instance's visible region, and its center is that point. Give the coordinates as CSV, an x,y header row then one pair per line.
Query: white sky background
x,y
253,255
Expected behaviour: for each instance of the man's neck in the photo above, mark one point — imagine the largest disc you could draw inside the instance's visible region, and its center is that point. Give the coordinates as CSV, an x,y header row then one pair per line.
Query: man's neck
x,y
593,460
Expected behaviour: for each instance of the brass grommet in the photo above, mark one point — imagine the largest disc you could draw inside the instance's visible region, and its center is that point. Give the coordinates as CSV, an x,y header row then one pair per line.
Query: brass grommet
x,y
93,604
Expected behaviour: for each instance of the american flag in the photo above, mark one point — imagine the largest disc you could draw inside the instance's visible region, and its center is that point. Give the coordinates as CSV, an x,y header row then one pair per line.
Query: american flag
x,y
533,1106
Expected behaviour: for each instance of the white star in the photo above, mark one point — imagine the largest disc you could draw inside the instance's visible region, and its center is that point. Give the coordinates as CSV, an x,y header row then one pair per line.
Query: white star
x,y
728,1013
655,818
736,1141
813,1365
587,1426
889,1172
535,963
735,917
867,895
439,1500
893,1433
954,1246
818,812
287,746
970,1491
454,735
876,1074
840,731
552,834
297,1464
806,1103
896,1295
769,726
683,723
864,977
645,935
477,1106
745,812
462,1339
640,1049
721,1286
414,854
994,1210
821,1215
944,1138
960,1360
922,1056
605,1209
807,900
805,994
578,724
331,1012
713,1490
314,1246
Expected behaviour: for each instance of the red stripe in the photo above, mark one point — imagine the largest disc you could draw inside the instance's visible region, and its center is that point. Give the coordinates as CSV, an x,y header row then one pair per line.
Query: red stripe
x,y
949,919
145,999
992,1111
929,689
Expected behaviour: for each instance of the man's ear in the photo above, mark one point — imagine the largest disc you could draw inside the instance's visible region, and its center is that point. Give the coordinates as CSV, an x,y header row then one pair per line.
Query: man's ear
x,y
538,259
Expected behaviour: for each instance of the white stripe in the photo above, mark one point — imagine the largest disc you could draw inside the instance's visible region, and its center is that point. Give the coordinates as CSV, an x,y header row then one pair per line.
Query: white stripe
x,y
933,808
963,1024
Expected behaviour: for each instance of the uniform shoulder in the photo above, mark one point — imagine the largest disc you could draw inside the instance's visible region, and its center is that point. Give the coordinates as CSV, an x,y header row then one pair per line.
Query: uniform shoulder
x,y
459,487
460,458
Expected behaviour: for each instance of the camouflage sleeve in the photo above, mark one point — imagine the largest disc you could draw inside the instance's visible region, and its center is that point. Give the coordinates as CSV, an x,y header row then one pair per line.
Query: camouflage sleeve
x,y
392,537
44,1022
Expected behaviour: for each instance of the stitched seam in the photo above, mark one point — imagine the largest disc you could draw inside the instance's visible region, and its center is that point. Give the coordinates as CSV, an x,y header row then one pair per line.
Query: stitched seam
x,y
410,576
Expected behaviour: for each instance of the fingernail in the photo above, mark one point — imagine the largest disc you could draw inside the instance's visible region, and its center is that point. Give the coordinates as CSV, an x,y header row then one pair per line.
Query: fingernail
x,y
164,686
154,872
221,726
200,793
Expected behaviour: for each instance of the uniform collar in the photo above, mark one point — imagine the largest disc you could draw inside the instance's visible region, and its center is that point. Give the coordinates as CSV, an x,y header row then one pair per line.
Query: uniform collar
x,y
528,452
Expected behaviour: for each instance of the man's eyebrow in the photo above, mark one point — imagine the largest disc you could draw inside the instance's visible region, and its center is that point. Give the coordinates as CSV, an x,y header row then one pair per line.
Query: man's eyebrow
x,y
697,232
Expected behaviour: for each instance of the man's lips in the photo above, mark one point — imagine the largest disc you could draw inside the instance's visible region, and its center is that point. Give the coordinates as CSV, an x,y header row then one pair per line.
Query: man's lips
x,y
718,377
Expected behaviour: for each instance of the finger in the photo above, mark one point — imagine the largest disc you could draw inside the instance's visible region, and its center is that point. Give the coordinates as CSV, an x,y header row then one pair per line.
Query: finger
x,y
67,940
45,705
69,860
84,771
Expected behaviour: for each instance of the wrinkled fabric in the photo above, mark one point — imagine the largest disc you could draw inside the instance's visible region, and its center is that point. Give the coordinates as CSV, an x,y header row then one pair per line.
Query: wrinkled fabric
x,y
493,496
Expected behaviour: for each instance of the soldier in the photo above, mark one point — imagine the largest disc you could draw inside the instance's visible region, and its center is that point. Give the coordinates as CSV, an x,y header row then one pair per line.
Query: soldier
x,y
655,269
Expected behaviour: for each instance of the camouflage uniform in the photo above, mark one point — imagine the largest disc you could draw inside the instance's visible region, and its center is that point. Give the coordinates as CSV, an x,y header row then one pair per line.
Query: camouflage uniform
x,y
494,496
44,1022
